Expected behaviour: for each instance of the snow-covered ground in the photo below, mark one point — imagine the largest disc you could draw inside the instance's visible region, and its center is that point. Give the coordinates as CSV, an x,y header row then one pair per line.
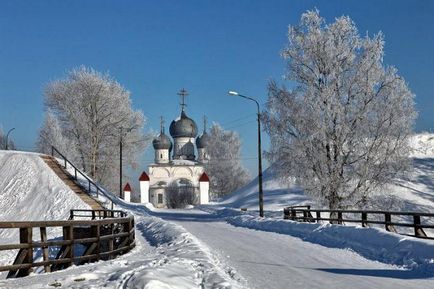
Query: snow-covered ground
x,y
219,246
166,255
30,190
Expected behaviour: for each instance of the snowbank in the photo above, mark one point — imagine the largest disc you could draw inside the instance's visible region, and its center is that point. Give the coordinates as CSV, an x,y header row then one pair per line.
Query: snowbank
x,y
371,243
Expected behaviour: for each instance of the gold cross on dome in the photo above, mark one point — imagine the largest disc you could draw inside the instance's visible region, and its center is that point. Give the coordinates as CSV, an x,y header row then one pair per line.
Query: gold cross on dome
x,y
183,93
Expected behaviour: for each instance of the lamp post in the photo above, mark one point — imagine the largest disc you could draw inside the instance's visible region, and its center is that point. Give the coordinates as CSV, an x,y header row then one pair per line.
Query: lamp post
x,y
7,138
261,193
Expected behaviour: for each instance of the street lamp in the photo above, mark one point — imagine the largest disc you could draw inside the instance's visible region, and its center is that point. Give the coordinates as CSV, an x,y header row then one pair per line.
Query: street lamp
x,y
261,193
7,138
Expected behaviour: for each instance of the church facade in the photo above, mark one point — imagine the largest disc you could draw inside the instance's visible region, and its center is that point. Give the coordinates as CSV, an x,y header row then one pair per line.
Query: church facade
x,y
175,162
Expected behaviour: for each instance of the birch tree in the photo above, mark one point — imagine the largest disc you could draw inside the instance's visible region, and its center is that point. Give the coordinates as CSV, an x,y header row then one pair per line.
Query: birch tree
x,y
92,111
342,129
224,167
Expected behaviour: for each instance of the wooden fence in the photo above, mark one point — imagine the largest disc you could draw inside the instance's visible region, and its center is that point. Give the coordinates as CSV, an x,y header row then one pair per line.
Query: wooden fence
x,y
415,220
98,234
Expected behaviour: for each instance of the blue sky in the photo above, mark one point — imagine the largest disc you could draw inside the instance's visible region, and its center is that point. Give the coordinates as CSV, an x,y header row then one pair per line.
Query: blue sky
x,y
154,48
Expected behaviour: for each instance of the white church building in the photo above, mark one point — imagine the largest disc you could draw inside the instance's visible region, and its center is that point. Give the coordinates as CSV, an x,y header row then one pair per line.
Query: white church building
x,y
175,162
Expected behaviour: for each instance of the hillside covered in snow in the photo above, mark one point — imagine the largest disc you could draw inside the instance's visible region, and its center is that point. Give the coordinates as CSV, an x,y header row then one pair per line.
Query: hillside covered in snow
x,y
30,190
413,191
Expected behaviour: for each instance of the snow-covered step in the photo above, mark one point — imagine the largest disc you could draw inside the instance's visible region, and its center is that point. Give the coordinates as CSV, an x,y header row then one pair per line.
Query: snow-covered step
x,y
71,183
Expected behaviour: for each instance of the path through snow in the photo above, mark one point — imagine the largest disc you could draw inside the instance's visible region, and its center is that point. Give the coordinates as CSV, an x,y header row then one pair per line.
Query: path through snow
x,y
272,260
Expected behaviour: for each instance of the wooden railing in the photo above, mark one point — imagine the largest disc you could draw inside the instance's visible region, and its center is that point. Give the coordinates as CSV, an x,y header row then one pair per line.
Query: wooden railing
x,y
98,234
415,220
90,183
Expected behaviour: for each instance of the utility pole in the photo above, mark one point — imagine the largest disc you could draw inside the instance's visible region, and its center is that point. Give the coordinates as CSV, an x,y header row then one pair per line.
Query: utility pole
x,y
120,163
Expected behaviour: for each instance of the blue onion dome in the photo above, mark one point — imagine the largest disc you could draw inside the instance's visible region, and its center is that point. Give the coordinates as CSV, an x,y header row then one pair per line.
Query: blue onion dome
x,y
202,141
162,142
183,127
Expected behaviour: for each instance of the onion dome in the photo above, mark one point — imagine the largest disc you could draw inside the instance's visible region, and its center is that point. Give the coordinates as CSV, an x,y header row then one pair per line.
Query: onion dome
x,y
162,142
202,141
183,127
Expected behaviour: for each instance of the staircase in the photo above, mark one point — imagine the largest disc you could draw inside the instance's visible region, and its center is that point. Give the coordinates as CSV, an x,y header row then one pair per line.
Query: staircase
x,y
71,182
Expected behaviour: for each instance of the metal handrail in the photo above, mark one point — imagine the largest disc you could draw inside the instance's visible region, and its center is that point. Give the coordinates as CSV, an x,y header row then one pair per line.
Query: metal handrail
x,y
90,182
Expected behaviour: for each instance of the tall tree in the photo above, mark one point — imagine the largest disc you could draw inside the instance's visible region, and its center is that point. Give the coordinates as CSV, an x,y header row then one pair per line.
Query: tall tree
x,y
343,129
51,134
11,144
93,111
224,166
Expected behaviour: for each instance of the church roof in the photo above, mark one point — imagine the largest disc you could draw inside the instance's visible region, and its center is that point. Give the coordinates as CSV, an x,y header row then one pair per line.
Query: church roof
x,y
144,177
202,141
183,127
162,142
204,178
127,188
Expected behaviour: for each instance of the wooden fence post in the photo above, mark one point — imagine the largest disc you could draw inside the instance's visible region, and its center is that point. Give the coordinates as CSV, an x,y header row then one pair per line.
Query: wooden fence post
x,y
340,218
318,216
365,219
45,255
418,231
26,235
285,213
68,235
305,215
293,214
388,223
96,233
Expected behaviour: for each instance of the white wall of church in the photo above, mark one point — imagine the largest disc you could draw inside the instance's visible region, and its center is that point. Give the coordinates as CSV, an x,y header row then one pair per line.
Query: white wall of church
x,y
183,146
163,174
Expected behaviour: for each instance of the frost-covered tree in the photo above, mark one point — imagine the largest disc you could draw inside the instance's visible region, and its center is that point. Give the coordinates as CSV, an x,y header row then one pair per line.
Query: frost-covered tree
x,y
11,144
342,130
224,166
87,111
51,134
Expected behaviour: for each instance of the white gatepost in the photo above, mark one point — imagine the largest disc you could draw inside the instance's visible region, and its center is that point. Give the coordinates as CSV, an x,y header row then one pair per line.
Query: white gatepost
x,y
127,193
204,189
144,188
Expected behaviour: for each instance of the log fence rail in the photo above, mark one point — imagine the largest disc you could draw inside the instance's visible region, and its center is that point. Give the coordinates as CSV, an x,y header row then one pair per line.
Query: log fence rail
x,y
420,222
102,235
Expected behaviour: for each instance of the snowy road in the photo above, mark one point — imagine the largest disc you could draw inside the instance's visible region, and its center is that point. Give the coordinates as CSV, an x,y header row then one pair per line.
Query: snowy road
x,y
271,260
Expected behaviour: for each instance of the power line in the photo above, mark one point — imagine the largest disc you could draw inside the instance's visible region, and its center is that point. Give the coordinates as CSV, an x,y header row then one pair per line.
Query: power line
x,y
239,119
241,124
